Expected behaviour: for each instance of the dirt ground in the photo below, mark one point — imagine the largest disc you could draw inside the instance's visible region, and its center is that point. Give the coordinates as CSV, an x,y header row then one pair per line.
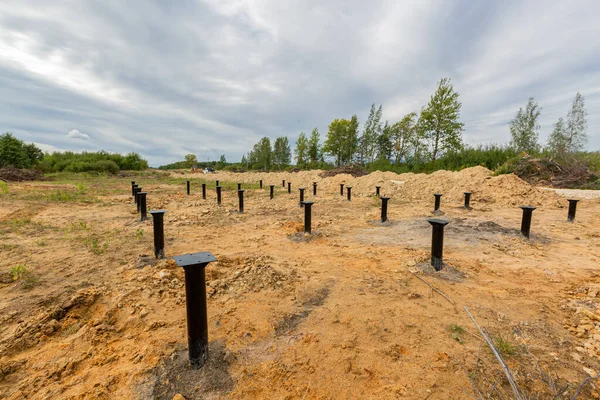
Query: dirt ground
x,y
86,312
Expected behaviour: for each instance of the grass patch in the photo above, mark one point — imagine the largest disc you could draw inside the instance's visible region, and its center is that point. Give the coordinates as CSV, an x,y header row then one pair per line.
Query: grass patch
x,y
23,275
456,332
3,188
139,234
94,245
505,348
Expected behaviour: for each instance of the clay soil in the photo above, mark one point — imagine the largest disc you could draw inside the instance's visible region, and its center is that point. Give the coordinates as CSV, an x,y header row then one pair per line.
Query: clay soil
x,y
86,311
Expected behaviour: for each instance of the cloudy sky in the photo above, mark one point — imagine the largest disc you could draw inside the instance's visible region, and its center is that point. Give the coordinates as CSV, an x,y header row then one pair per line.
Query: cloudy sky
x,y
211,77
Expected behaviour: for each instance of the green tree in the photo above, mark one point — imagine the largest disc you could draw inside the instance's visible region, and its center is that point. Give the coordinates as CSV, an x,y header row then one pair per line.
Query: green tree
x,y
191,160
301,150
351,140
557,142
439,123
404,136
314,149
261,155
244,162
576,129
371,131
14,152
524,128
342,139
384,143
222,162
281,152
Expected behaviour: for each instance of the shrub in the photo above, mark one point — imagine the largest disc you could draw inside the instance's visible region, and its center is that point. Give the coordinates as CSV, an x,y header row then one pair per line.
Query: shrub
x,y
100,161
15,153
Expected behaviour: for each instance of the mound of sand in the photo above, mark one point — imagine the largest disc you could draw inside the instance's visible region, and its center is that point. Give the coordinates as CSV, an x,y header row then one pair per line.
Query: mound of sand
x,y
504,189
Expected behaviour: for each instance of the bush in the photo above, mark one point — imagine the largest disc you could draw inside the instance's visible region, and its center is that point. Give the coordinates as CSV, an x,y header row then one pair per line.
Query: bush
x,y
100,161
15,153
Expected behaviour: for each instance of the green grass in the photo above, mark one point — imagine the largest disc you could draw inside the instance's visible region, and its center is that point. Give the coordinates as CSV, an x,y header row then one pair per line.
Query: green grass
x,y
3,188
94,245
139,234
456,332
504,347
23,275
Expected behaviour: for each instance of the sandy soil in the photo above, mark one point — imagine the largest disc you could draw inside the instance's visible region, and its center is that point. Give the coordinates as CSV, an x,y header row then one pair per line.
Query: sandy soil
x,y
339,314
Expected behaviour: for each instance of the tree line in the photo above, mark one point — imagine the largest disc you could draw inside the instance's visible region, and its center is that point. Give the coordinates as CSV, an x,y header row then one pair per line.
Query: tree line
x,y
16,153
421,141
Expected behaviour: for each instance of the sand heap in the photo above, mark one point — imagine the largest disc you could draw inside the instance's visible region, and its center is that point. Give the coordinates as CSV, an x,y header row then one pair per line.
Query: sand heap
x,y
504,189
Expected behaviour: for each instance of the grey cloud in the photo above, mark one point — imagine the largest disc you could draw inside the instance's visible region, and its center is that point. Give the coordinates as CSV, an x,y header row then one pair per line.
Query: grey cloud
x,y
212,77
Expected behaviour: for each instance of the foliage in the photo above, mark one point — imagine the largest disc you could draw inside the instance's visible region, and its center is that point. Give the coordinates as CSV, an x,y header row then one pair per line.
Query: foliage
x,y
384,143
504,347
489,156
92,243
557,142
100,161
22,274
282,154
439,125
570,137
314,149
191,160
342,140
301,150
576,132
261,156
222,162
371,132
184,165
403,135
3,187
14,152
524,128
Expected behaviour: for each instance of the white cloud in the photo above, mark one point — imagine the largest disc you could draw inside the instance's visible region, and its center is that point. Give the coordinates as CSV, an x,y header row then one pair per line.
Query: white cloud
x,y
75,134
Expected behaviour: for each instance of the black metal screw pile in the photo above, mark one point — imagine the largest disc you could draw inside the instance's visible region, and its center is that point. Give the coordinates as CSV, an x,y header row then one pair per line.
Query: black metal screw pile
x,y
219,195
195,300
241,200
301,196
377,190
384,207
260,183
188,187
341,189
437,242
159,232
204,191
133,185
283,183
467,200
136,190
307,216
526,220
289,187
137,197
142,205
271,192
572,210
349,190
239,186
216,183
314,188
437,202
